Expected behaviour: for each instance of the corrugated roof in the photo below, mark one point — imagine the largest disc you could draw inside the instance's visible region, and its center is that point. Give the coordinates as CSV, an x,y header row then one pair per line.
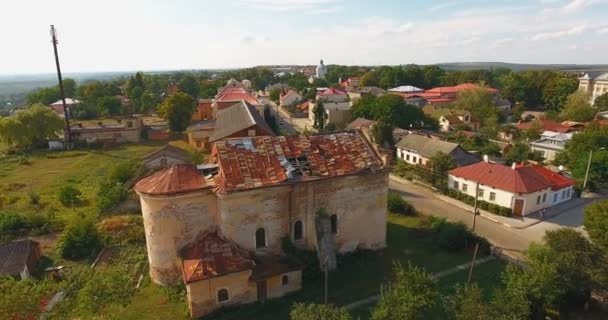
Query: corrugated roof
x,y
213,256
426,147
235,118
545,125
13,256
526,179
179,178
254,162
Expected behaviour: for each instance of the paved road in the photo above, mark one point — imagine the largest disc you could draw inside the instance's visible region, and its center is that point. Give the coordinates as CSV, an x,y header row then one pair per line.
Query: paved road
x,y
514,241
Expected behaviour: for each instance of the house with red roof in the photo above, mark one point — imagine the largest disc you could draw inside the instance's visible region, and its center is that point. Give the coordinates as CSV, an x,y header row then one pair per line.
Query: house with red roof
x,y
290,98
524,189
446,95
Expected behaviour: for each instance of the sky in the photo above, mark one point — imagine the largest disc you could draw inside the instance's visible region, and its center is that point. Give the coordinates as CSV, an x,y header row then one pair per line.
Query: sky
x,y
128,35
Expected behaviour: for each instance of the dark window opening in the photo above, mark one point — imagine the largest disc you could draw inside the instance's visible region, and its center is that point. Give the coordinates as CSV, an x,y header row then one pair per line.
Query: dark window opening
x,y
285,280
222,295
334,223
297,230
260,238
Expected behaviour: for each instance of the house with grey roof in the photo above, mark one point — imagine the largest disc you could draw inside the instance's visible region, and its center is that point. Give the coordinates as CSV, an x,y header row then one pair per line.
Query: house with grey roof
x,y
18,258
418,149
166,156
241,119
550,144
594,84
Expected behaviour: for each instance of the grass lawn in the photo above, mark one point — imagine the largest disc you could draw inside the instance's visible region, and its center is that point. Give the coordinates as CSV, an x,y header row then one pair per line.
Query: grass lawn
x,y
359,277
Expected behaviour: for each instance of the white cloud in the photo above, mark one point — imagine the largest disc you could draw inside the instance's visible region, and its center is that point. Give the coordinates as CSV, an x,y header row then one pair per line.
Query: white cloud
x,y
603,30
307,6
444,5
501,42
559,34
577,5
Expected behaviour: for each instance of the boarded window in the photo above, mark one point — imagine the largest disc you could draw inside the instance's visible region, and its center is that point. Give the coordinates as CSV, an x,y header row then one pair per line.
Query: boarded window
x,y
260,238
298,230
334,223
284,280
223,295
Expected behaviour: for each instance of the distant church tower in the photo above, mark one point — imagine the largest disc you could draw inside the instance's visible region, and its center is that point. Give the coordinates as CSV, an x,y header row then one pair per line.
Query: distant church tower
x,y
321,70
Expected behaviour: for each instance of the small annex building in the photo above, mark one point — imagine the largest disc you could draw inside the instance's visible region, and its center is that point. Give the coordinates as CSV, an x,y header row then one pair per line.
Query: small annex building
x,y
18,258
218,227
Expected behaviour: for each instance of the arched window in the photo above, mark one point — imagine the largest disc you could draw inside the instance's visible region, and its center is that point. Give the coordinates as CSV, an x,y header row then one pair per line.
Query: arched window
x,y
260,238
334,223
285,280
223,295
298,230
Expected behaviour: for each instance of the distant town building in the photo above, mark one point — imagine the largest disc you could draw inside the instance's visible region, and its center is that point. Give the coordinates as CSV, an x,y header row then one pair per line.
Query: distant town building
x,y
239,120
70,103
321,70
358,92
405,89
594,84
550,144
289,98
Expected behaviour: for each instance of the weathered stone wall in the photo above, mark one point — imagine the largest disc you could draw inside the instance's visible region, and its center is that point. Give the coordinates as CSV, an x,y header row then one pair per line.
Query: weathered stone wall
x,y
172,223
202,295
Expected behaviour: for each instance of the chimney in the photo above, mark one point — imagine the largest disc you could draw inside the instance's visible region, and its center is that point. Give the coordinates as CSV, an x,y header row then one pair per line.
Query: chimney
x,y
486,158
513,165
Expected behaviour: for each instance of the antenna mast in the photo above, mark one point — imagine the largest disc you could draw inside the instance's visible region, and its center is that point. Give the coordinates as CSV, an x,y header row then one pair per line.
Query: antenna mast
x,y
68,131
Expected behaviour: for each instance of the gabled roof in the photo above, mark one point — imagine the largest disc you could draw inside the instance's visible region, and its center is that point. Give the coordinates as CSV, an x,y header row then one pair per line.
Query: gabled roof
x,y
288,93
525,179
595,75
360,123
331,91
167,150
545,125
255,162
213,256
235,118
68,101
13,256
453,119
179,178
426,147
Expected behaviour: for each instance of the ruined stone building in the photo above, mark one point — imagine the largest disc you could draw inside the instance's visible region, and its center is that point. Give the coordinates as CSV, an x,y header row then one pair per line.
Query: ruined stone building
x,y
218,227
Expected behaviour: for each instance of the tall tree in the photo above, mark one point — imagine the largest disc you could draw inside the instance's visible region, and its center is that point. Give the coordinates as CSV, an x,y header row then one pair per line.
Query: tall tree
x,y
441,163
69,87
557,90
44,96
382,133
320,116
577,108
521,152
109,105
480,103
409,295
596,223
30,127
178,110
601,102
467,303
189,85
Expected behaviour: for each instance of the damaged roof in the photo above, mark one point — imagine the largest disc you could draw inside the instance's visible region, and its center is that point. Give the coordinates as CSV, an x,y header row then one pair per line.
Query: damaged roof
x,y
240,116
179,178
253,162
213,256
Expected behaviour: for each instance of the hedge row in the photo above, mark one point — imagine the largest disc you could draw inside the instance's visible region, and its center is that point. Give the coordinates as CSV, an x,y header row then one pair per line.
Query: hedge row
x,y
483,205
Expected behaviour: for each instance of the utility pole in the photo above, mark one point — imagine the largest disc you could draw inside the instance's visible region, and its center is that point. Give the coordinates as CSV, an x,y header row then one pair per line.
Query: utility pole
x,y
472,264
325,263
68,131
475,206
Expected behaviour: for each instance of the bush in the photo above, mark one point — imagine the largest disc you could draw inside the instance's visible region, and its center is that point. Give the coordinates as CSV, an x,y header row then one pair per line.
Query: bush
x,y
11,222
34,198
79,239
396,204
451,236
110,194
309,260
313,311
122,230
69,196
104,287
123,172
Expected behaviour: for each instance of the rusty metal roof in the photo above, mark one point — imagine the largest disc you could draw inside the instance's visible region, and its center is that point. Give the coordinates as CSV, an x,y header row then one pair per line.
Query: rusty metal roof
x,y
213,256
254,162
179,178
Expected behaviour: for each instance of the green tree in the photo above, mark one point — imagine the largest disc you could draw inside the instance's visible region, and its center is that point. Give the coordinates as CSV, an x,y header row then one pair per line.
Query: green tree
x,y
320,116
70,196
521,152
188,84
109,105
111,285
209,89
382,133
44,96
480,103
601,102
514,87
441,163
123,172
509,304
79,239
364,107
313,311
370,79
557,90
30,127
596,223
178,110
275,94
577,108
467,303
409,295
69,87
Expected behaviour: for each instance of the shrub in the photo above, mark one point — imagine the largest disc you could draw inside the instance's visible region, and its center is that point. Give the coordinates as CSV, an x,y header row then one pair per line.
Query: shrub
x,y
483,205
105,286
123,172
110,194
122,230
451,236
79,239
313,311
69,196
396,204
34,198
309,260
11,222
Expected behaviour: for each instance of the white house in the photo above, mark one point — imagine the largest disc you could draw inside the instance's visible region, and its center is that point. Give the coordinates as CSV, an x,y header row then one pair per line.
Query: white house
x,y
551,143
290,98
593,84
418,149
331,94
524,189
335,112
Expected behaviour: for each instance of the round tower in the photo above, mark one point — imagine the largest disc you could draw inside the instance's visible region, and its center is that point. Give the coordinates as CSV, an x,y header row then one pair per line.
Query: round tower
x,y
177,206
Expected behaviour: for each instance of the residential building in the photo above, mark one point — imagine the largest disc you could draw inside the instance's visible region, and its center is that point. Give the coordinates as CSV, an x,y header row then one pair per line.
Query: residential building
x,y
453,119
70,103
524,189
199,133
366,126
18,258
447,95
550,144
418,149
121,130
350,83
164,157
204,110
218,227
332,95
593,84
337,113
545,125
357,93
290,98
239,120
405,89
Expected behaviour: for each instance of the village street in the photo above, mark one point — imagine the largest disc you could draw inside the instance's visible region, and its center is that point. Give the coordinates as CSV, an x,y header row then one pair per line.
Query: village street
x,y
512,241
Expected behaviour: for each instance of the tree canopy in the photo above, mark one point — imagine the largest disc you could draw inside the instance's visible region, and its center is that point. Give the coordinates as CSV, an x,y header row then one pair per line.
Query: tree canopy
x,y
30,127
601,102
314,311
178,110
577,108
390,109
188,84
596,223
